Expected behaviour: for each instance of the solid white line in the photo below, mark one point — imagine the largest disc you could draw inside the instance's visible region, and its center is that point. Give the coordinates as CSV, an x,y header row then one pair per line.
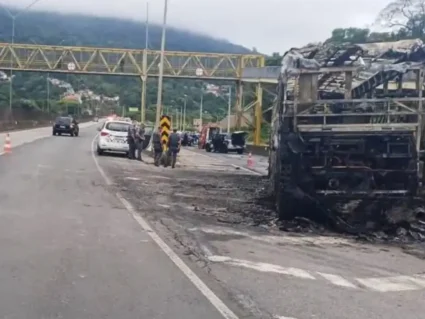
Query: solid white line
x,y
338,280
262,267
387,284
196,281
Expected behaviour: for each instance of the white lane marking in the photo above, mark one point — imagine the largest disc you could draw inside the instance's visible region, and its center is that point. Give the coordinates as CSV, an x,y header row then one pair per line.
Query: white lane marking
x,y
292,240
263,267
381,284
206,251
420,280
389,284
196,281
338,280
283,317
164,205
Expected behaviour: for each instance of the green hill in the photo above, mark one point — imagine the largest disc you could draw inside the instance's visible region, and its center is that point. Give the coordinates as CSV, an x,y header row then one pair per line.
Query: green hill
x,y
54,29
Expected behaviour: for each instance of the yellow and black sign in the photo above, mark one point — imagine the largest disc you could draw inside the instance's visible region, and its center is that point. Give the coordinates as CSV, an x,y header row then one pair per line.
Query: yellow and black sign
x,y
165,124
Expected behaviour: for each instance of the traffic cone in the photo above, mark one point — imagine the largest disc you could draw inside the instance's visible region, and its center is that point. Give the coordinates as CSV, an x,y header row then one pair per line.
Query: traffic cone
x,y
7,145
250,161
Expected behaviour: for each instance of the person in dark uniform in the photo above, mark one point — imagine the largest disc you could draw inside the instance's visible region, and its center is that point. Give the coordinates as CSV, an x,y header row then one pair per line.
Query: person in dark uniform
x,y
173,147
140,139
131,139
157,146
185,141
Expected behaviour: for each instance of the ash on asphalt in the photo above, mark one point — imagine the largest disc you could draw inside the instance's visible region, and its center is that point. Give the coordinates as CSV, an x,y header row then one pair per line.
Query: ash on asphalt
x,y
200,197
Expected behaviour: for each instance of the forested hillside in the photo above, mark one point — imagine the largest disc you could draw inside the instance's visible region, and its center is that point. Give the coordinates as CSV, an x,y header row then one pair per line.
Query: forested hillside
x,y
55,29
405,19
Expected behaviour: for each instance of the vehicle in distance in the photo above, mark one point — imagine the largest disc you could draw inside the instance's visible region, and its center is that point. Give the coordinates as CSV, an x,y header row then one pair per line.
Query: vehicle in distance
x,y
113,137
224,142
65,125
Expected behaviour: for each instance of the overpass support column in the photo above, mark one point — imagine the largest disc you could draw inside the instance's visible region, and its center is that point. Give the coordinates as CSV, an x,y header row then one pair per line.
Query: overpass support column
x,y
238,106
258,113
143,99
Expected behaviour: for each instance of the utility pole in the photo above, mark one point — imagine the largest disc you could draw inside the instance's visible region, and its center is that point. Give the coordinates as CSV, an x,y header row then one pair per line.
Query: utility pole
x,y
161,67
181,119
184,113
48,94
200,110
144,77
11,72
14,17
229,110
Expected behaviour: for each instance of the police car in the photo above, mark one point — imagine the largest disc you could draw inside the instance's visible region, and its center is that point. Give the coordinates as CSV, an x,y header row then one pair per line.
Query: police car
x,y
113,137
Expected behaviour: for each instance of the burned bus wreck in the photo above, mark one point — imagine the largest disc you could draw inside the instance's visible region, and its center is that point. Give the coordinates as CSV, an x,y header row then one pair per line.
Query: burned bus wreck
x,y
347,125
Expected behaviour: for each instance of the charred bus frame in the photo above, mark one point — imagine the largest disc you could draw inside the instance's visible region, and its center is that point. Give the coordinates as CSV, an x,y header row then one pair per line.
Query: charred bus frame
x,y
346,148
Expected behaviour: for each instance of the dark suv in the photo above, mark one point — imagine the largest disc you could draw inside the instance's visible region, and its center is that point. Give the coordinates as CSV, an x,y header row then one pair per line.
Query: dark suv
x,y
65,125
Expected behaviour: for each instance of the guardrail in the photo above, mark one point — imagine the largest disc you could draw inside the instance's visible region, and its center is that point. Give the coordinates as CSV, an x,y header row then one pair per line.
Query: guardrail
x,y
28,124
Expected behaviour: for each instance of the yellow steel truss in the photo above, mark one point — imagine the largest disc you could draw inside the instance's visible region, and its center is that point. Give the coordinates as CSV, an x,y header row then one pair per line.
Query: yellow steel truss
x,y
88,60
141,63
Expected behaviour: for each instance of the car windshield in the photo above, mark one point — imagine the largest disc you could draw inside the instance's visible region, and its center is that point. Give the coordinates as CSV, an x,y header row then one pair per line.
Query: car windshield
x,y
63,120
117,126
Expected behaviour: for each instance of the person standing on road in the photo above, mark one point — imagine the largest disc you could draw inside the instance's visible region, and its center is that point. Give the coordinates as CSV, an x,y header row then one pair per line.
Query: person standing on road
x,y
140,139
157,146
131,139
173,147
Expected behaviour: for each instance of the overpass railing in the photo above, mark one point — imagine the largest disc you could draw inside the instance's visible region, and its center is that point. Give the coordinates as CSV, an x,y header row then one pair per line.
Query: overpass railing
x,y
267,73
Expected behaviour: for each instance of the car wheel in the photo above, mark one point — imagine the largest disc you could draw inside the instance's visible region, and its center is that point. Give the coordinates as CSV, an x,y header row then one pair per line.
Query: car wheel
x,y
76,133
53,133
71,134
99,151
239,151
59,134
208,148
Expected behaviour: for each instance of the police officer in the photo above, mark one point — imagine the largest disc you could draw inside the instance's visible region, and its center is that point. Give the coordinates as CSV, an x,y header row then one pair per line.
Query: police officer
x,y
131,139
173,147
140,139
157,146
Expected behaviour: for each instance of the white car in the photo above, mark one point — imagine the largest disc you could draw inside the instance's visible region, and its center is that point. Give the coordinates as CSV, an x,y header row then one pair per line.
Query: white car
x,y
113,137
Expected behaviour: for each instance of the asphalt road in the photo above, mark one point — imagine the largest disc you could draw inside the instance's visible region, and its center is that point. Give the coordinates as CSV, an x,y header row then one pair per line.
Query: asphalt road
x,y
70,249
207,205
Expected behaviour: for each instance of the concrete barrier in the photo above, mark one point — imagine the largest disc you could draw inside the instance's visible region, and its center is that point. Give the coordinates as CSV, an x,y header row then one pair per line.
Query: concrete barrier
x,y
18,138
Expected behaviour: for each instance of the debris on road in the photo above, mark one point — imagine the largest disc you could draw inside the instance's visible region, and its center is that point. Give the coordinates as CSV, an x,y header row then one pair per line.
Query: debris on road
x,y
200,197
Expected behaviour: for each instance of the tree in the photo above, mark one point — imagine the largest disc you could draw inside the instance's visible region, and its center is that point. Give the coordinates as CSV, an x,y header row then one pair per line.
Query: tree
x,y
349,35
274,60
406,16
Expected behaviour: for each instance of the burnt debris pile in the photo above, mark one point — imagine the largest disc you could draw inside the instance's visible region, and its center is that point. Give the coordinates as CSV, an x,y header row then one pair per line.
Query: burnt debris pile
x,y
380,221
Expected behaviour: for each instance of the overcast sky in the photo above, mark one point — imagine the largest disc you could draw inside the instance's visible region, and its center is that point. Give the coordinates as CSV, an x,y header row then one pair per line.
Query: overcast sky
x,y
268,25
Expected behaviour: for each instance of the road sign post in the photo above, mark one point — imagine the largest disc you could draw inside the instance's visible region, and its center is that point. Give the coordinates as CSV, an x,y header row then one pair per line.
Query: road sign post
x,y
165,124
